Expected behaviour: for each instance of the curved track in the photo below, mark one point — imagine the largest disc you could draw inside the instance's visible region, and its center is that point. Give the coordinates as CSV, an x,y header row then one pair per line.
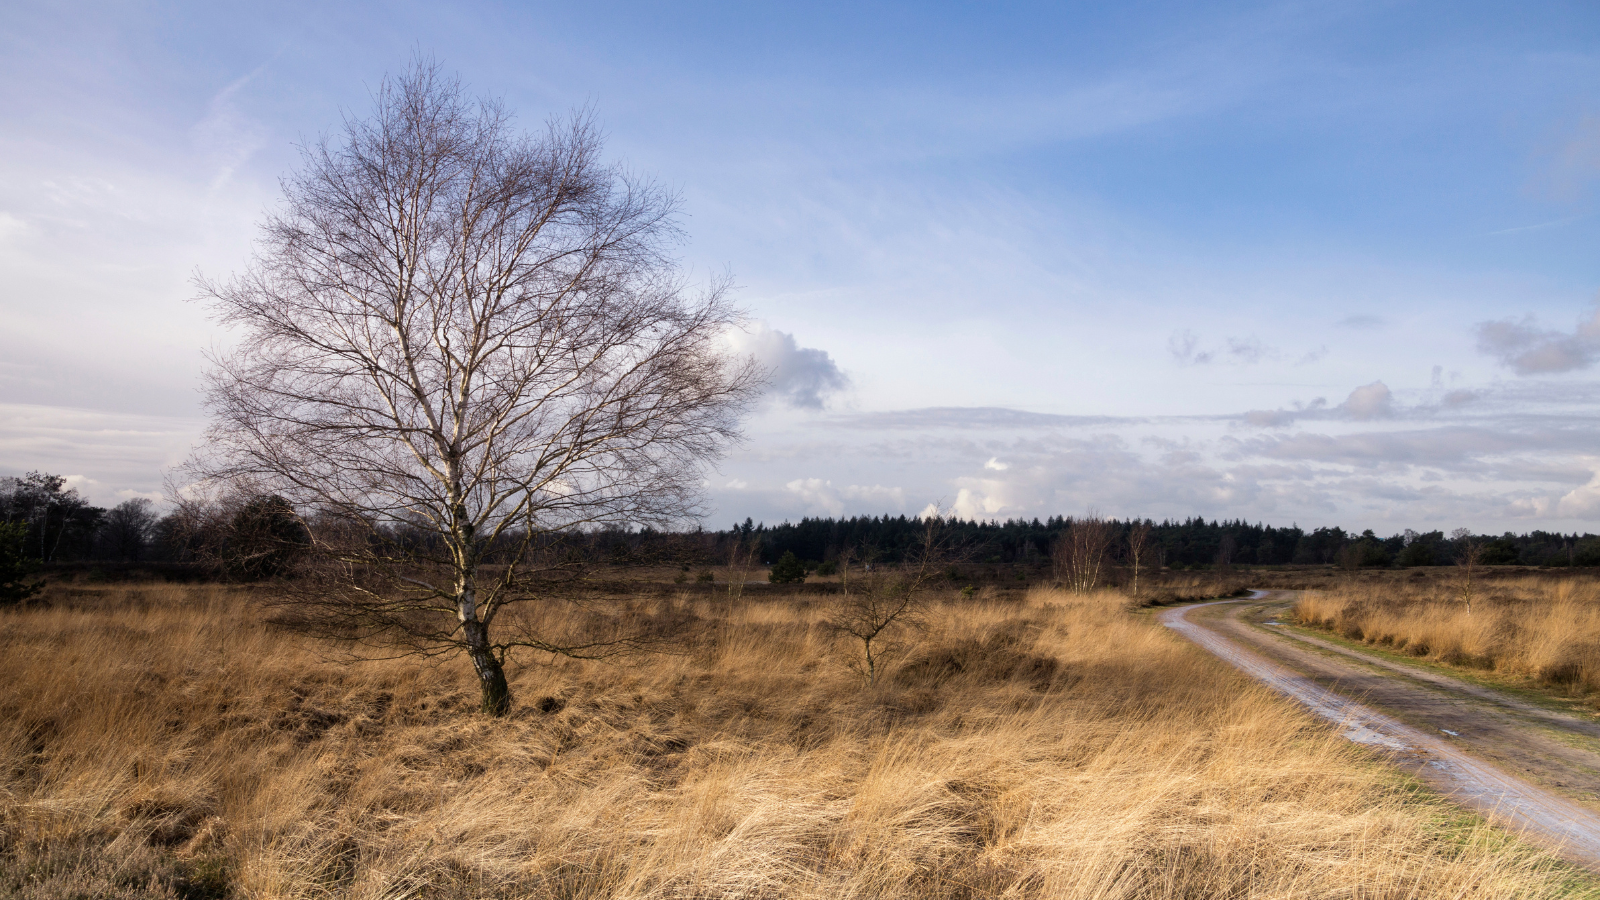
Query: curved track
x,y
1408,713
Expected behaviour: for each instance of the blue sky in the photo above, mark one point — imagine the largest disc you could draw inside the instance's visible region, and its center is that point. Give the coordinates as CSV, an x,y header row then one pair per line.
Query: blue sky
x,y
1313,262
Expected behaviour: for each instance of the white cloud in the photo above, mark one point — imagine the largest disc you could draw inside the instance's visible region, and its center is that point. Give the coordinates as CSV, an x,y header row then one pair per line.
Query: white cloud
x,y
83,484
1370,401
996,465
802,377
974,504
1530,350
1581,502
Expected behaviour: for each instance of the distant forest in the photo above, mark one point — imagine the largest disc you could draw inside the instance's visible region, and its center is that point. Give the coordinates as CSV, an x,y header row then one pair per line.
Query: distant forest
x,y
1191,543
52,523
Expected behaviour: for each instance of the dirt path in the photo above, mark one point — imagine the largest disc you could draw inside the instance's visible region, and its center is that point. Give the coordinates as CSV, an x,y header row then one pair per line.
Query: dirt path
x,y
1531,770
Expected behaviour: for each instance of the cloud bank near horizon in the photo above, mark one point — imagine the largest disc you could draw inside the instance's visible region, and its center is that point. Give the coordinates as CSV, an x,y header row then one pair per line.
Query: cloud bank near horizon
x,y
1520,455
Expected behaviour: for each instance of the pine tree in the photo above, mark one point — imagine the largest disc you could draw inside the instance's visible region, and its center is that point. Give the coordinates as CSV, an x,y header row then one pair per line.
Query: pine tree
x,y
788,570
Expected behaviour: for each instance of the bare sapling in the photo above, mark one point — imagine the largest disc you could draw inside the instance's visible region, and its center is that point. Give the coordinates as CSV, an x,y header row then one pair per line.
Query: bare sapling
x,y
880,603
1467,565
1138,550
458,344
1079,556
742,558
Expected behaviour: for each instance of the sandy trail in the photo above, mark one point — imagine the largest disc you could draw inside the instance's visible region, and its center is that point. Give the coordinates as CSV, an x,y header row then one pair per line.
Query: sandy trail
x,y
1517,735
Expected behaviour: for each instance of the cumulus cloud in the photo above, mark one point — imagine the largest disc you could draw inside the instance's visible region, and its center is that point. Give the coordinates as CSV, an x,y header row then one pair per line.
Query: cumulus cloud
x,y
994,464
1531,350
1580,503
977,504
801,377
1370,401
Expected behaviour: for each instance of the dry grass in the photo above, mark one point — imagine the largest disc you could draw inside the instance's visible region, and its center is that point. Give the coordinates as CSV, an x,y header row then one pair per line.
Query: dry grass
x,y
1541,629
159,741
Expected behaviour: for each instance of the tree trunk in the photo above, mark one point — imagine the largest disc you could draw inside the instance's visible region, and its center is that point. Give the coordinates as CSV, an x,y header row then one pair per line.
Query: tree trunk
x,y
491,675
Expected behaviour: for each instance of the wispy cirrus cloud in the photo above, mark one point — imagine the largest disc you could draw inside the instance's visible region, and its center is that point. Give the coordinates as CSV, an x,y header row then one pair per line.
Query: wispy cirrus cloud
x,y
1186,349
1362,322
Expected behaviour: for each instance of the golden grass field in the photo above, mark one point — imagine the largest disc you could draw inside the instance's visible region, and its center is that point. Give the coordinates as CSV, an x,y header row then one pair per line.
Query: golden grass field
x,y
163,741
1538,629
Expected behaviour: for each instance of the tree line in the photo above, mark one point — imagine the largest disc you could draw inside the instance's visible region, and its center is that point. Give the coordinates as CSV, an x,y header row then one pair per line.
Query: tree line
x,y
45,522
1175,544
50,522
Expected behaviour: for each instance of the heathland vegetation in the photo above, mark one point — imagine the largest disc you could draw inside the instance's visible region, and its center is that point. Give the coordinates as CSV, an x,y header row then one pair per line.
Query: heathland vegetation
x,y
162,740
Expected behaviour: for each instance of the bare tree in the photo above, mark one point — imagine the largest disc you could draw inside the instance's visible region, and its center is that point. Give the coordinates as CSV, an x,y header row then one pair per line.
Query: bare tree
x,y
1349,557
127,529
1138,550
1467,565
879,603
1080,554
459,343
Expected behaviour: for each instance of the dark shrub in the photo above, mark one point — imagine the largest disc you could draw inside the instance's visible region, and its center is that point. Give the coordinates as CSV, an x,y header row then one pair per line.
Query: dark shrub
x,y
788,570
264,539
16,565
